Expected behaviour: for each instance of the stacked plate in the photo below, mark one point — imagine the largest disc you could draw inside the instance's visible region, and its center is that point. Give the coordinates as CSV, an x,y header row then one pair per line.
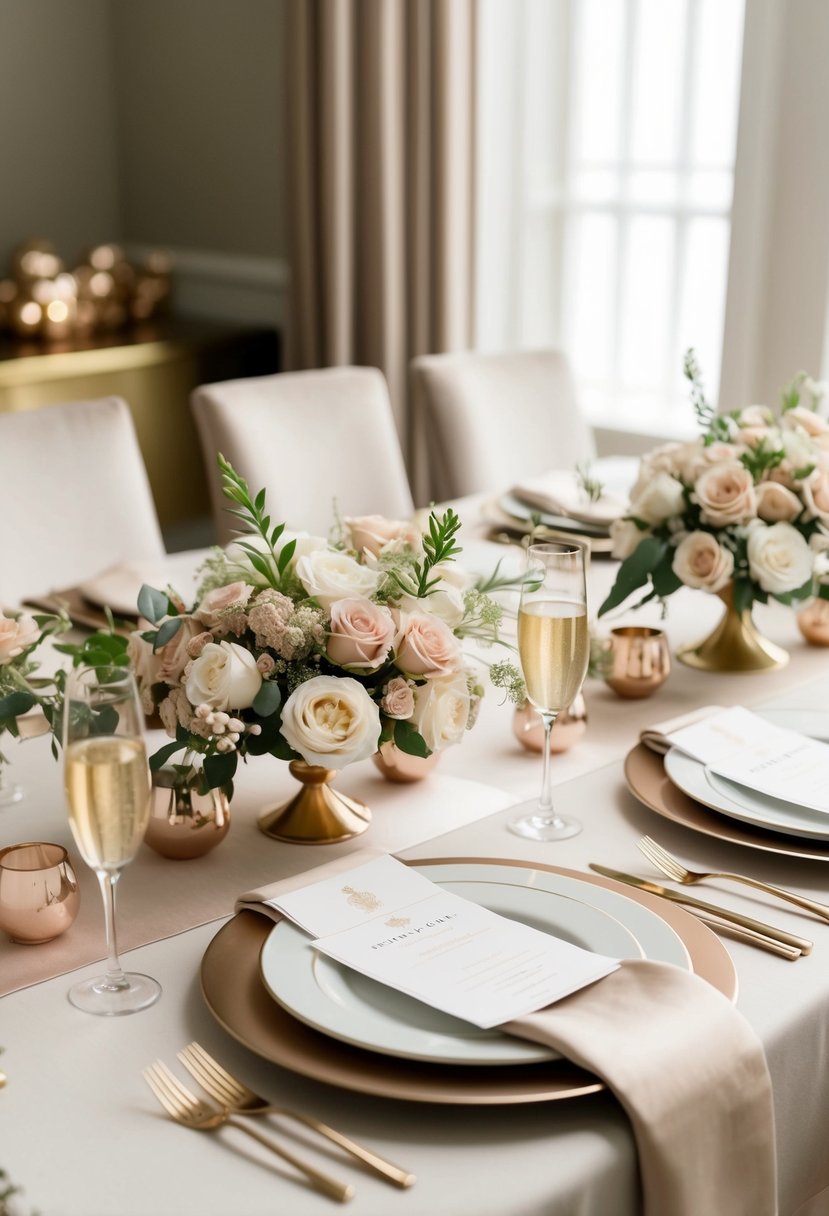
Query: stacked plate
x,y
270,989
684,790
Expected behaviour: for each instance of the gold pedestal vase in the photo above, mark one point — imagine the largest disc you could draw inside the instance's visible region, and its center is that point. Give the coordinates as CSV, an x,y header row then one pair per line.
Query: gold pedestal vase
x,y
317,814
735,645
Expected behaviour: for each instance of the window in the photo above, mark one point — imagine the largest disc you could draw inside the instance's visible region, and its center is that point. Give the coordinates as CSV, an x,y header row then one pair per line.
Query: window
x,y
607,139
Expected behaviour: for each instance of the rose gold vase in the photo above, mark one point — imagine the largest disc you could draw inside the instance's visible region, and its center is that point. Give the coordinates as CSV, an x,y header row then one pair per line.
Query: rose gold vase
x,y
39,897
640,661
813,622
568,728
183,822
735,645
401,767
317,814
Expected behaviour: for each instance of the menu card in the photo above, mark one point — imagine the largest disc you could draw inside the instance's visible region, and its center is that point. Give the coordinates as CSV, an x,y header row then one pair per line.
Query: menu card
x,y
747,749
392,924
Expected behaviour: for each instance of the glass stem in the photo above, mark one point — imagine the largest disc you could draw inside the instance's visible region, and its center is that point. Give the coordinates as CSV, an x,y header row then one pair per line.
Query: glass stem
x,y
545,802
115,978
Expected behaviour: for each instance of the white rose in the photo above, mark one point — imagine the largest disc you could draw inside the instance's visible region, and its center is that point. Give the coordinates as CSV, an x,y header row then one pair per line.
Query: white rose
x,y
699,561
815,492
779,559
625,537
806,420
662,497
224,676
667,458
328,576
16,635
725,493
446,601
776,502
331,721
441,710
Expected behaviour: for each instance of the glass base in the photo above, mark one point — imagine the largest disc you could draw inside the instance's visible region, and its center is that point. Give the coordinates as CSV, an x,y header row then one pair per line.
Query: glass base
x,y
533,824
99,996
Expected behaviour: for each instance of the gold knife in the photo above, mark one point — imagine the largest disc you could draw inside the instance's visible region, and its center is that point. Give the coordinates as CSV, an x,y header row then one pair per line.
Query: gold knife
x,y
749,936
735,918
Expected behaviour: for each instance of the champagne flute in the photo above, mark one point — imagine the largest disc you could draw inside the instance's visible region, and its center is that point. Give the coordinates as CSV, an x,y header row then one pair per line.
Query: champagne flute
x,y
554,647
107,783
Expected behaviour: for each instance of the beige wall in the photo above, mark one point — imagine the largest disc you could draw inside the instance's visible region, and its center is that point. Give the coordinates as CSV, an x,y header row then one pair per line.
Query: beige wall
x,y
201,123
57,125
159,122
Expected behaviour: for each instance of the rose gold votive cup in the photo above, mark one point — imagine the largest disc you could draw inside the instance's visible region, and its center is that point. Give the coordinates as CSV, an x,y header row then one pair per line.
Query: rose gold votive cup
x,y
641,660
39,897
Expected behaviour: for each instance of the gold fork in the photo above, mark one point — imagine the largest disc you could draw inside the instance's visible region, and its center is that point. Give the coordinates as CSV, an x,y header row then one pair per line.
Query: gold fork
x,y
668,864
184,1107
234,1095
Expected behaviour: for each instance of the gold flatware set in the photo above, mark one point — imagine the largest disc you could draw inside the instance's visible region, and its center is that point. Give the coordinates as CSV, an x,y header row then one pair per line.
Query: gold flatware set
x,y
234,1102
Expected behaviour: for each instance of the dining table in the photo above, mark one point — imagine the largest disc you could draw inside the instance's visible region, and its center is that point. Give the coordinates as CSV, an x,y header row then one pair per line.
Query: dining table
x,y
81,1133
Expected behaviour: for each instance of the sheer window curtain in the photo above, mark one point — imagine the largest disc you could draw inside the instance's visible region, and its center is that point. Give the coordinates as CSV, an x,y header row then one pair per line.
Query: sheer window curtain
x,y
381,182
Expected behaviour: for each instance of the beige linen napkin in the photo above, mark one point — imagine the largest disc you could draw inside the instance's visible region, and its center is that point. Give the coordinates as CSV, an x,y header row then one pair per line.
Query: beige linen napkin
x,y
656,737
684,1064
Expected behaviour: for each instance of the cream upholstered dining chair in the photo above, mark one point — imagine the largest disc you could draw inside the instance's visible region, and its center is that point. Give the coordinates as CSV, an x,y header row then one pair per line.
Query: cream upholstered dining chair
x,y
74,496
492,420
310,438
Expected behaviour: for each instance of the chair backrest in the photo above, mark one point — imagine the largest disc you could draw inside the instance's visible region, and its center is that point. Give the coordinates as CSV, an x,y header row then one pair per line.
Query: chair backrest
x,y
309,438
74,496
493,420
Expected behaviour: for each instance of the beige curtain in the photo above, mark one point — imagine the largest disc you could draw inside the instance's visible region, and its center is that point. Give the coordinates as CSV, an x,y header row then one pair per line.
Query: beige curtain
x,y
381,99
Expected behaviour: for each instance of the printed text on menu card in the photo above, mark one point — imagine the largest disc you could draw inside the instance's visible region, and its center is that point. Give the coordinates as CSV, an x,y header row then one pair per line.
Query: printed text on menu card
x,y
392,924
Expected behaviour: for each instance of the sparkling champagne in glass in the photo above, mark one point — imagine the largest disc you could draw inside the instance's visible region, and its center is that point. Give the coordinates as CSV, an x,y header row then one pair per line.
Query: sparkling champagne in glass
x,y
554,647
107,782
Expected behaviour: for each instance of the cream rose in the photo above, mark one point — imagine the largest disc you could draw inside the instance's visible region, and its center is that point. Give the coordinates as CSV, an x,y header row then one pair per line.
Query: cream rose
x,y
725,493
661,498
806,420
175,655
328,575
331,721
667,458
776,503
625,537
398,698
373,533
441,710
224,676
361,634
755,416
446,599
816,495
699,561
144,662
218,603
779,559
426,646
16,635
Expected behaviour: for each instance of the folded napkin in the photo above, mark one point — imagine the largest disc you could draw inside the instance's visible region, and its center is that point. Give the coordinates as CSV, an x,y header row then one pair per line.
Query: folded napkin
x,y
560,493
685,1065
656,737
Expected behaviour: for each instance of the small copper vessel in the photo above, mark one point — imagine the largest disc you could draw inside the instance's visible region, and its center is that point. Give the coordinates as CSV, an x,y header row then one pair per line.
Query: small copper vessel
x,y
39,896
401,767
568,728
640,660
185,823
813,622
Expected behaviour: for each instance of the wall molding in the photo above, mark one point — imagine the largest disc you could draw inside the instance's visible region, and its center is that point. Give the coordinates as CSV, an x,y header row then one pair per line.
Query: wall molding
x,y
226,286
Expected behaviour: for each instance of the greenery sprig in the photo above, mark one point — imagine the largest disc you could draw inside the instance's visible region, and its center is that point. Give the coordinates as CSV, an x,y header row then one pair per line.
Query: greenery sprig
x,y
589,485
714,425
270,563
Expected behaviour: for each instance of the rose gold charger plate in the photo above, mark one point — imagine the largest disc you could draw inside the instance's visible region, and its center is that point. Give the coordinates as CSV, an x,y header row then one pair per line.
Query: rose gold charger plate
x,y
237,997
648,782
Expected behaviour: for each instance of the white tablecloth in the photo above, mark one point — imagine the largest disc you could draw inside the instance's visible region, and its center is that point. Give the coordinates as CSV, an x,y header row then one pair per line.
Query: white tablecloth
x,y
80,1131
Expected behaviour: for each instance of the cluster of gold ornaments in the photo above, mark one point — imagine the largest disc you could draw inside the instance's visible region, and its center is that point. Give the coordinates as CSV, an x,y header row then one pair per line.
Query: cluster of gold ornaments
x,y
42,298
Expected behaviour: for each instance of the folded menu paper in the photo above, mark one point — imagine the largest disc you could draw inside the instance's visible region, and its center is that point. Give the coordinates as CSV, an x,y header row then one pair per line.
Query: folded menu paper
x,y
683,1062
745,748
391,923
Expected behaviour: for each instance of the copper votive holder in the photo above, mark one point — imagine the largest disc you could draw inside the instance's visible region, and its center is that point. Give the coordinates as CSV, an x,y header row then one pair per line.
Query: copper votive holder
x,y
39,897
640,660
813,622
568,728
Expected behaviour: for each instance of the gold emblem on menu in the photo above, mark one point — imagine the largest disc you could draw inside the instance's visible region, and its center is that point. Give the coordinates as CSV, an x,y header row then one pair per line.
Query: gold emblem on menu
x,y
362,899
397,922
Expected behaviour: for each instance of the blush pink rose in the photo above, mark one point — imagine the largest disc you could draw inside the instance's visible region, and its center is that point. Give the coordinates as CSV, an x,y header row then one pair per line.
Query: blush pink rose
x,y
16,635
426,646
725,494
374,532
174,657
703,563
776,502
361,633
398,699
221,602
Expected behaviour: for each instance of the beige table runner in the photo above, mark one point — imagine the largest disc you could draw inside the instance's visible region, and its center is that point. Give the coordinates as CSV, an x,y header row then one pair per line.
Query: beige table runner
x,y
684,1063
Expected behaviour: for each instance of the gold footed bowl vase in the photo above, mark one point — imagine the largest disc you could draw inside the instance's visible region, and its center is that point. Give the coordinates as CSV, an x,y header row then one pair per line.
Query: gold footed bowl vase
x,y
735,645
318,814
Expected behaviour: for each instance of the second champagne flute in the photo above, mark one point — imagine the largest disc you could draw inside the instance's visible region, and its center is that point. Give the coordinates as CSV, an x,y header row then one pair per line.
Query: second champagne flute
x,y
554,647
107,782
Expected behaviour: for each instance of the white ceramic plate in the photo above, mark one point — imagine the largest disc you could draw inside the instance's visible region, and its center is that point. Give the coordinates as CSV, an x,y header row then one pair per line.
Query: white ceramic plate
x,y
741,803
346,1005
811,722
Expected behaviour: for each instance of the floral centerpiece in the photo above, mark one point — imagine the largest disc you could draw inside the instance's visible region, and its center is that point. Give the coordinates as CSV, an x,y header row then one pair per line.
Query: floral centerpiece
x,y
741,512
316,650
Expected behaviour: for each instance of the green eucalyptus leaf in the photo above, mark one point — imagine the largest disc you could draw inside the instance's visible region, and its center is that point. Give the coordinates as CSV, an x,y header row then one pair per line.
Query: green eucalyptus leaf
x,y
268,700
410,740
634,570
166,631
152,604
159,759
15,703
220,768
